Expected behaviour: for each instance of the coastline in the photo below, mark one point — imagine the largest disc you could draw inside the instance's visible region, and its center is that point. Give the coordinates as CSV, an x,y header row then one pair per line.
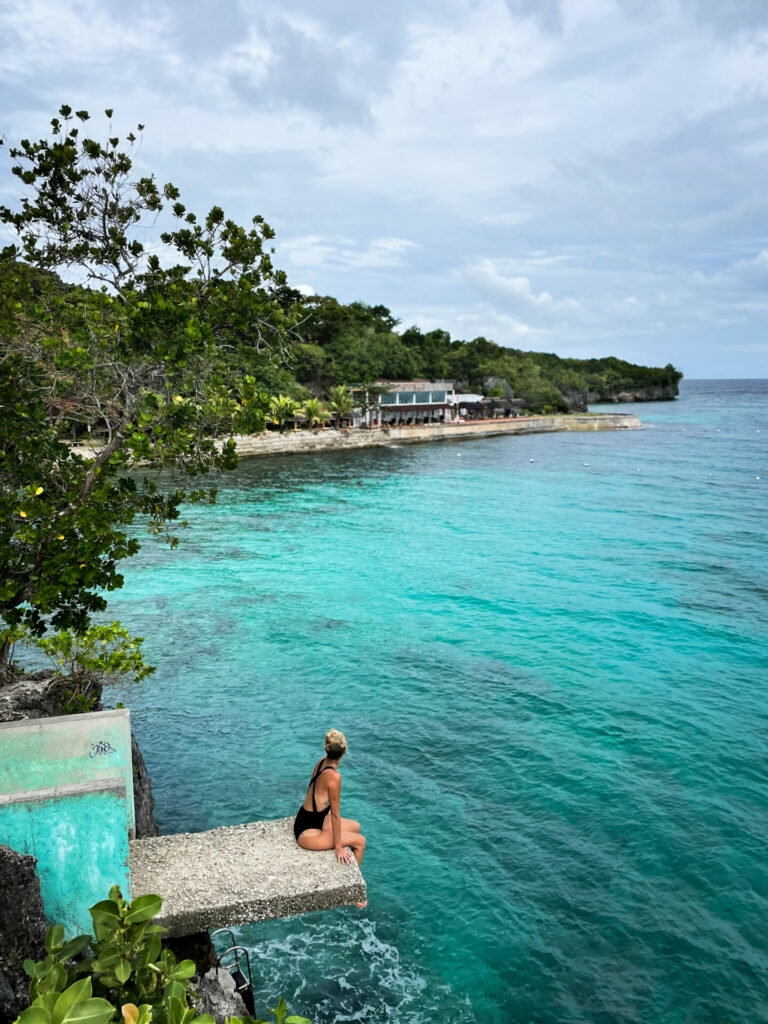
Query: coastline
x,y
325,439
305,441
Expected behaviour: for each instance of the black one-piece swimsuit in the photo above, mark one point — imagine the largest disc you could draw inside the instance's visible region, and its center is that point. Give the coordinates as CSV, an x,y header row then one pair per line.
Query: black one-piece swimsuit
x,y
312,819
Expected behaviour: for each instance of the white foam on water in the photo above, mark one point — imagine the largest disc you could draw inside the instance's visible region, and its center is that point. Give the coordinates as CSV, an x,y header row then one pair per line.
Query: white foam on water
x,y
345,971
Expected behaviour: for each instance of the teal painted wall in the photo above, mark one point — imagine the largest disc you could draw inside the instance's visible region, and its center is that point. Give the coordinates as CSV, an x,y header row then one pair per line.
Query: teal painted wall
x,y
39,753
66,797
81,846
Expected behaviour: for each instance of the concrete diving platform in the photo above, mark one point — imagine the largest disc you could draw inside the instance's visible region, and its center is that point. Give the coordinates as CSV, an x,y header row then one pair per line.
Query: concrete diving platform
x,y
237,875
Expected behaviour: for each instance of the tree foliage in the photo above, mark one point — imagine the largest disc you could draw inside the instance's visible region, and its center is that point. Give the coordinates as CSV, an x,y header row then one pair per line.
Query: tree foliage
x,y
153,364
358,344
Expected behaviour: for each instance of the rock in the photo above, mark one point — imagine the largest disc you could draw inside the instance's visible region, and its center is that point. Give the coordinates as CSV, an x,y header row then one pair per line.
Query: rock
x,y
198,948
218,995
656,393
38,695
23,927
144,801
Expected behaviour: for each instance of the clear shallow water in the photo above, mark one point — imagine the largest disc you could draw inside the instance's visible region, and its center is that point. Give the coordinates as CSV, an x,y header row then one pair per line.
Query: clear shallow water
x,y
553,679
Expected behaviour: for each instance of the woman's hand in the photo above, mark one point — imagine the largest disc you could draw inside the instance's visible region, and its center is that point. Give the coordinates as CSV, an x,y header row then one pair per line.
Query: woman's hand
x,y
343,856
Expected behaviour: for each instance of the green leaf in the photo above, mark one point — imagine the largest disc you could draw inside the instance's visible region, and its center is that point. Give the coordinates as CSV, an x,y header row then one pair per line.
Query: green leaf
x,y
280,1010
143,908
54,938
123,970
297,1020
177,1010
92,1011
73,947
34,1015
175,990
69,998
105,912
185,969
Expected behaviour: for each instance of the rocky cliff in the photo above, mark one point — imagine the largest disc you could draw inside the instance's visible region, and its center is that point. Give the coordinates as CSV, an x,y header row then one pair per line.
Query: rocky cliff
x,y
23,928
579,401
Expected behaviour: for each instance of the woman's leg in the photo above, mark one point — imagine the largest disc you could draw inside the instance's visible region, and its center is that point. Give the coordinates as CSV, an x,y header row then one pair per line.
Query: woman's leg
x,y
347,824
322,839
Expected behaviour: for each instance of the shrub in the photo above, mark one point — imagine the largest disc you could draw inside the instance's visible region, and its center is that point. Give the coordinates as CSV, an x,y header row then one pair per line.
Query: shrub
x,y
123,974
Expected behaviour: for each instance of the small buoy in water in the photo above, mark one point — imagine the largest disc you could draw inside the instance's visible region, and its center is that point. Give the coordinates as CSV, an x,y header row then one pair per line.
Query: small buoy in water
x,y
709,474
530,460
757,478
586,463
717,429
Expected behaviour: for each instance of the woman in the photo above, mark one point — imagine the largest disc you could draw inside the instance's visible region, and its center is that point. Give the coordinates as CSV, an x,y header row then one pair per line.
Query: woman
x,y
319,825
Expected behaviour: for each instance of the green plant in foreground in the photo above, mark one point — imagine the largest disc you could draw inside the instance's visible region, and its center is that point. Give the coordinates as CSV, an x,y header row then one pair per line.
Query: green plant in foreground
x,y
123,975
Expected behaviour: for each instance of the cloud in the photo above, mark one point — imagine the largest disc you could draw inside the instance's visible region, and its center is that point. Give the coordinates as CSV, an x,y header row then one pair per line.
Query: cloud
x,y
745,275
517,292
582,174
340,252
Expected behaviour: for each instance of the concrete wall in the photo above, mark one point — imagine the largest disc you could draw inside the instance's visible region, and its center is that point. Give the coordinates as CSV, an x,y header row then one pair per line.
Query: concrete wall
x,y
66,798
300,441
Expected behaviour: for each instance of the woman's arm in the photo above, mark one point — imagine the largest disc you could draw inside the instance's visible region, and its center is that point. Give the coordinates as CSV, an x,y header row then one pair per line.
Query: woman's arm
x,y
334,795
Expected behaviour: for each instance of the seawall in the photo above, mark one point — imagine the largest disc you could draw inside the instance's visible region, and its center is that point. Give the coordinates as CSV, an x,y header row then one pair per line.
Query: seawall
x,y
302,441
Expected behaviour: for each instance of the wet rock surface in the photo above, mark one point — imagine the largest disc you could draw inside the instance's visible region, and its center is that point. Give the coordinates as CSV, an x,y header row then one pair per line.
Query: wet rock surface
x,y
143,800
23,926
218,995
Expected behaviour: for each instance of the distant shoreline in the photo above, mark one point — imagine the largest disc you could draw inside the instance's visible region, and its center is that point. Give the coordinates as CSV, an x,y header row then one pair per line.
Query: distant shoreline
x,y
301,442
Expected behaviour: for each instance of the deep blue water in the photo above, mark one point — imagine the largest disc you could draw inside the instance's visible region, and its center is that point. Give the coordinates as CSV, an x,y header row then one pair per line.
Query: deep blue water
x,y
548,654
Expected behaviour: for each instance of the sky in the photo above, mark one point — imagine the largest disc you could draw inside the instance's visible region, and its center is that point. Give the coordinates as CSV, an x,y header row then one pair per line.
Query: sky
x,y
586,177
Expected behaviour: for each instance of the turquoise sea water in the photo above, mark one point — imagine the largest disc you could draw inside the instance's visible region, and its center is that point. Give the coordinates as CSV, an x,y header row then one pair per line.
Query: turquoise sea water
x,y
548,654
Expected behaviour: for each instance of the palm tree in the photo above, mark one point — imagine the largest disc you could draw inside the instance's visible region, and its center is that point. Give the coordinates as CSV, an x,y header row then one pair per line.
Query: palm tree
x,y
340,403
282,410
314,411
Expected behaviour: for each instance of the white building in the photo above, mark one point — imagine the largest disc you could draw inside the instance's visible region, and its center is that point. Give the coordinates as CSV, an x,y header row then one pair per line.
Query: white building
x,y
421,401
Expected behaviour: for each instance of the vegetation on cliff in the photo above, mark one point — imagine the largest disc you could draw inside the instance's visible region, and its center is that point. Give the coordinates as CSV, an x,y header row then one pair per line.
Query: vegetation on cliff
x,y
358,343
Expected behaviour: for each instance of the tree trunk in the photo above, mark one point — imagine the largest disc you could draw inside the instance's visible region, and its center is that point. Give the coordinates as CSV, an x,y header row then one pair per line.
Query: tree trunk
x,y
5,653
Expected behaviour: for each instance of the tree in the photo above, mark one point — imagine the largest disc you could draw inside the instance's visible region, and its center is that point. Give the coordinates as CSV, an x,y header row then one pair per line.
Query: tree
x,y
282,410
340,403
314,411
149,366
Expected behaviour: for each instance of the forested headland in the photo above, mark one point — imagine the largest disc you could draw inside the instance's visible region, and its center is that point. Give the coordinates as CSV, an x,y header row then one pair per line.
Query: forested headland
x,y
323,343
359,343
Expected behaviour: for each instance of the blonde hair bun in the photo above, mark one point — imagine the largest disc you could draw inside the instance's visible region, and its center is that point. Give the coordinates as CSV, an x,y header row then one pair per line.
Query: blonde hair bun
x,y
335,743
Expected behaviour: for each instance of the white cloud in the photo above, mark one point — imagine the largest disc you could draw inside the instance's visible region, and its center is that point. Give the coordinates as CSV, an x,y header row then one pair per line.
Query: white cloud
x,y
341,252
486,277
745,275
578,173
